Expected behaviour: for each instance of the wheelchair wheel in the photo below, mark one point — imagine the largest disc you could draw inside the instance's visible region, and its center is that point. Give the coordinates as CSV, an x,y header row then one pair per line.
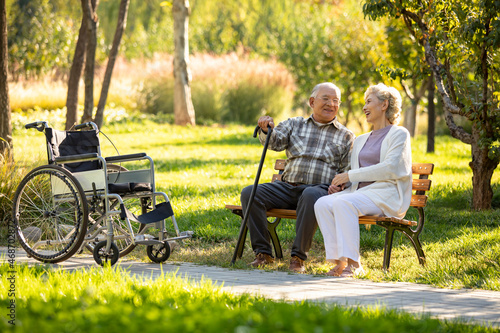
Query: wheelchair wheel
x,y
102,258
50,214
158,253
122,237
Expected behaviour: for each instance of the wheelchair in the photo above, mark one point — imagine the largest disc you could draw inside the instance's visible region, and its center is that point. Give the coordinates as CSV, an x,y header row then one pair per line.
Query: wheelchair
x,y
82,200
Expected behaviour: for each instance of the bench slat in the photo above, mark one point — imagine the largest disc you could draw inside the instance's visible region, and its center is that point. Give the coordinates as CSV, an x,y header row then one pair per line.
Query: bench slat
x,y
421,184
280,165
418,200
422,168
276,177
291,214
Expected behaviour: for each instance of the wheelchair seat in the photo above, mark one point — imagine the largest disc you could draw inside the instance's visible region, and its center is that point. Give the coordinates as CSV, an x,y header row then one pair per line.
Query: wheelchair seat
x,y
129,188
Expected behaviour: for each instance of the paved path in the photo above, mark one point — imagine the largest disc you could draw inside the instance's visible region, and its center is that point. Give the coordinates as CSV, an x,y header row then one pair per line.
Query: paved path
x,y
475,306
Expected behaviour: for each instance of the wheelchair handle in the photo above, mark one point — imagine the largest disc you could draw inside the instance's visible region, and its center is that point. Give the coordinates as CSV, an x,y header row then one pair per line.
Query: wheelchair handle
x,y
269,130
39,125
88,124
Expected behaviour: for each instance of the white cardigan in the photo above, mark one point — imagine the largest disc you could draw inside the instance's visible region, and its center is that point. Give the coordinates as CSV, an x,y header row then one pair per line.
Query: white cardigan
x,y
392,176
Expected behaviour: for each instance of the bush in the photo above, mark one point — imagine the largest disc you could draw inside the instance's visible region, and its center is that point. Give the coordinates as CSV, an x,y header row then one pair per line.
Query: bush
x,y
224,89
495,202
10,175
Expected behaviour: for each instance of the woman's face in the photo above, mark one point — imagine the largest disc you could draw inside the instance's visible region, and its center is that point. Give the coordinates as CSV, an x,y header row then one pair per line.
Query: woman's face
x,y
374,109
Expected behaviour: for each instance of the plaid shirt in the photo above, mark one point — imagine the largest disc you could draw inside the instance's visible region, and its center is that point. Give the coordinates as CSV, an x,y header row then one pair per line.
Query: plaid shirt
x,y
316,152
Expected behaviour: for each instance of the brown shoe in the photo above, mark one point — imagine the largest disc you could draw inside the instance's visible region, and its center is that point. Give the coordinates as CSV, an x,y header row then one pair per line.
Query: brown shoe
x,y
262,259
297,265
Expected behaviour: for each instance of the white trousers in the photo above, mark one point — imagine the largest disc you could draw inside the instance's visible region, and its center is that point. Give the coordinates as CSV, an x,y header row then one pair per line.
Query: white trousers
x,y
337,217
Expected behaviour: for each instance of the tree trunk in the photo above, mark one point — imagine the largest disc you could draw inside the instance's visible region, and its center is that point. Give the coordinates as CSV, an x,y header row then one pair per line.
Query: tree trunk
x,y
183,105
431,116
91,14
347,106
5,113
482,171
410,119
482,166
76,73
120,26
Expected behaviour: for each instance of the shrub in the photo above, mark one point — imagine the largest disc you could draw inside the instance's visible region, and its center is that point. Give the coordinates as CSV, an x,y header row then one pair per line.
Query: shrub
x,y
495,202
10,176
224,89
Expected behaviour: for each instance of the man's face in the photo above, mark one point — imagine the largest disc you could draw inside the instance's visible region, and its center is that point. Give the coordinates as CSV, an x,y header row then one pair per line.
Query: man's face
x,y
325,105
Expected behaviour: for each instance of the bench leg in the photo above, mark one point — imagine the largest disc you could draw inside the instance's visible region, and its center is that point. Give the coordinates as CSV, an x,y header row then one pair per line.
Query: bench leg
x,y
389,236
410,234
240,245
271,227
413,237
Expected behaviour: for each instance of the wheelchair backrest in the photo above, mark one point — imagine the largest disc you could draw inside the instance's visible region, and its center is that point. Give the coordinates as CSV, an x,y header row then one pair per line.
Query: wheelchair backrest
x,y
70,143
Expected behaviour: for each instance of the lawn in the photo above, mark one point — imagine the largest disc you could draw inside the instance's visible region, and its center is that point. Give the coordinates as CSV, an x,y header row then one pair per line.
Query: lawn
x,y
203,168
109,300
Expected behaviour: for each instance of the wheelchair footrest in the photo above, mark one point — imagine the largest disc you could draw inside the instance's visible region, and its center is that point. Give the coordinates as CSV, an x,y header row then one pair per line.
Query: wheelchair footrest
x,y
149,242
161,212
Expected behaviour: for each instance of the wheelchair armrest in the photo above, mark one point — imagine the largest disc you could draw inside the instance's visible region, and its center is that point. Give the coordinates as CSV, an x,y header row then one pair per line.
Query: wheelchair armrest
x,y
76,158
124,158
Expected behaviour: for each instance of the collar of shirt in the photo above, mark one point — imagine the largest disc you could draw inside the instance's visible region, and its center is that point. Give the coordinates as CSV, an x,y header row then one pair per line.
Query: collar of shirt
x,y
334,122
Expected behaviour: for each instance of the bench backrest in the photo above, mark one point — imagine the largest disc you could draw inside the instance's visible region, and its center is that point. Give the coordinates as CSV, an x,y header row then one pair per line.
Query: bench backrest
x,y
420,185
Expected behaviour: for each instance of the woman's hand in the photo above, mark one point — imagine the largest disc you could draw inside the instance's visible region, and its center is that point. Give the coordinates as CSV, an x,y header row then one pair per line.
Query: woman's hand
x,y
338,183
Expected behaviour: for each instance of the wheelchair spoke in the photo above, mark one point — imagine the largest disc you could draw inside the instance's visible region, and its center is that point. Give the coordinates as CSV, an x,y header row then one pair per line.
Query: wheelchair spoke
x,y
50,212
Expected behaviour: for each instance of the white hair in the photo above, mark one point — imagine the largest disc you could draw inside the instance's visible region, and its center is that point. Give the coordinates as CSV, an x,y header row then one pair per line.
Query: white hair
x,y
316,88
385,93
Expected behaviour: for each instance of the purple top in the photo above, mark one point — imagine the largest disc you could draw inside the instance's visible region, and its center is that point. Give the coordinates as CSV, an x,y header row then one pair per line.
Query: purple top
x,y
370,153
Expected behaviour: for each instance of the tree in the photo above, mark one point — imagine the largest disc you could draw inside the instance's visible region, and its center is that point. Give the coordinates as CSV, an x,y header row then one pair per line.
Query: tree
x,y
411,69
85,53
76,72
325,47
460,41
120,26
5,113
183,105
39,38
431,116
90,12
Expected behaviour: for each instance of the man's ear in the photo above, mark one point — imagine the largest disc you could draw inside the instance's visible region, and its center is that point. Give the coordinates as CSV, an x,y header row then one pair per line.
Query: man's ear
x,y
311,101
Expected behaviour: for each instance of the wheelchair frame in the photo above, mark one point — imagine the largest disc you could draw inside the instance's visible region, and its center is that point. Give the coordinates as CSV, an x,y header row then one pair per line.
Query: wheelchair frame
x,y
79,194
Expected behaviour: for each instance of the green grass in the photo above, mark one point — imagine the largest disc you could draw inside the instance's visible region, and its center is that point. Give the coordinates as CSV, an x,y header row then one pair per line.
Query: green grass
x,y
203,168
109,300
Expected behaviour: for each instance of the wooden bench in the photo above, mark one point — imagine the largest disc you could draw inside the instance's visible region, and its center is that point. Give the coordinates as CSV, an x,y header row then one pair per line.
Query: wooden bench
x,y
411,229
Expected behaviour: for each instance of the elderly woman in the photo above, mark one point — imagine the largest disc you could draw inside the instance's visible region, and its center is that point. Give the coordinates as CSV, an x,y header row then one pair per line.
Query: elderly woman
x,y
380,178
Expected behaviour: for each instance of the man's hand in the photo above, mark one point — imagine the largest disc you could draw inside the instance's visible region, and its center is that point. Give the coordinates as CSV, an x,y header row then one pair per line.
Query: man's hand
x,y
338,183
335,188
264,121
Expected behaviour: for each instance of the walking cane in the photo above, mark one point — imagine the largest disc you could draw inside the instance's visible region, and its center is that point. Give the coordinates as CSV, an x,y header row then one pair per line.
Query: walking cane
x,y
243,227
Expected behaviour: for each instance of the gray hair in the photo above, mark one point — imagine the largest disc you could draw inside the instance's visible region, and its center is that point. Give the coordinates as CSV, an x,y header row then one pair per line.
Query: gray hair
x,y
316,88
391,94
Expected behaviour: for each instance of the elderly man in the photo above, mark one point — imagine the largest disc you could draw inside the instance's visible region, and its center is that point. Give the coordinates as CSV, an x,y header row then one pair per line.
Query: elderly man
x,y
317,148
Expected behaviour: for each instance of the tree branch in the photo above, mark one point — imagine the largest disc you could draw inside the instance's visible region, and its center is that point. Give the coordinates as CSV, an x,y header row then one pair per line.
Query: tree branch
x,y
430,56
407,90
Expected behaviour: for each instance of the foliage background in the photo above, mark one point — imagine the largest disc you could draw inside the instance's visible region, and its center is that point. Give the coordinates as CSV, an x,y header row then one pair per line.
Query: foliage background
x,y
315,42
